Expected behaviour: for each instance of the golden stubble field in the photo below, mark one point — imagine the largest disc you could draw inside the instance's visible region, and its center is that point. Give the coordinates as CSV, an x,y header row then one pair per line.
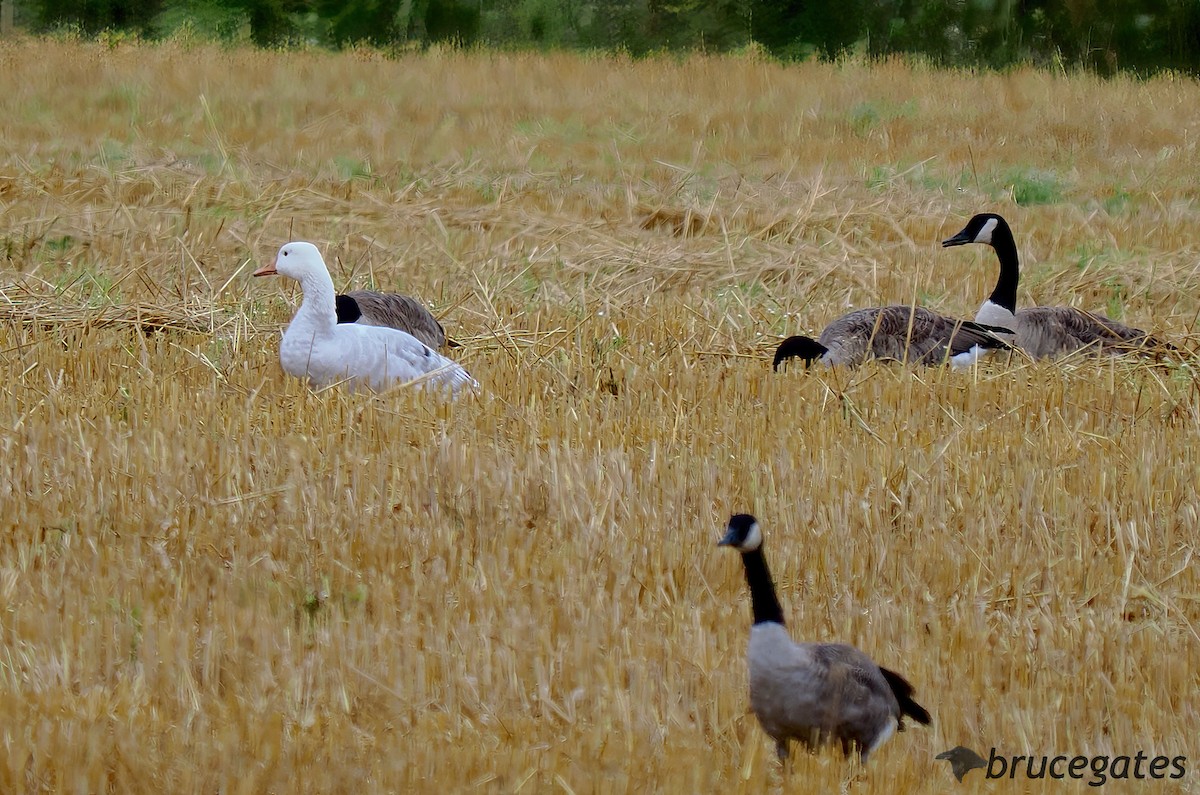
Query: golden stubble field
x,y
213,579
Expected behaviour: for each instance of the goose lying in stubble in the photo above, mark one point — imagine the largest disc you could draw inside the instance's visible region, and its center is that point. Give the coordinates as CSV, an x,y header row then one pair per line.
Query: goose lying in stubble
x,y
814,693
391,310
315,346
904,333
1044,331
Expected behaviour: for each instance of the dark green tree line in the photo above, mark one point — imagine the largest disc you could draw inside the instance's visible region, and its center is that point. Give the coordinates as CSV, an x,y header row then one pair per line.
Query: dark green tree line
x,y
1104,35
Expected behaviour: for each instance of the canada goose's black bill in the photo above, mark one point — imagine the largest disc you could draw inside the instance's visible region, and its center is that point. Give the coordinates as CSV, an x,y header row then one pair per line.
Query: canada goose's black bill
x,y
805,348
961,239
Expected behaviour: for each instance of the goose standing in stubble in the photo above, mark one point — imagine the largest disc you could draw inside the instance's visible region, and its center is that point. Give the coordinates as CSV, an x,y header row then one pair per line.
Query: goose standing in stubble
x,y
391,310
1044,331
903,333
815,693
315,346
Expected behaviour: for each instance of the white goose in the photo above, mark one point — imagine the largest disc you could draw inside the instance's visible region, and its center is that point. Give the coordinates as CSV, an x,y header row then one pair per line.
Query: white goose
x,y
315,346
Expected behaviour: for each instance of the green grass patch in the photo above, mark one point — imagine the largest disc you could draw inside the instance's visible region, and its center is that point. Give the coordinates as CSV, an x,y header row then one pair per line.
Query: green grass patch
x,y
349,168
1033,186
867,116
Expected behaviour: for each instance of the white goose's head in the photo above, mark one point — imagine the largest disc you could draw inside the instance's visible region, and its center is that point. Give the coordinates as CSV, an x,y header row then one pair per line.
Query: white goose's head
x,y
295,260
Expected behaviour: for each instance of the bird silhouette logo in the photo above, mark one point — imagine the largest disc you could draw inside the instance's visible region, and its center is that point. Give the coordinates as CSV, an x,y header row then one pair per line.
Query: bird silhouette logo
x,y
962,760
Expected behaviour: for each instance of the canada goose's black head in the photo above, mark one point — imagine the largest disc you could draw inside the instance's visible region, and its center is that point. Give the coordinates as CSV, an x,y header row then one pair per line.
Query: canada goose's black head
x,y
743,533
980,229
346,308
805,348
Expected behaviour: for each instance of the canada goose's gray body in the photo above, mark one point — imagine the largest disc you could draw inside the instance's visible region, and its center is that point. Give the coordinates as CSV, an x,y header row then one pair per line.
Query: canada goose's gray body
x,y
814,693
903,333
1044,331
818,693
392,311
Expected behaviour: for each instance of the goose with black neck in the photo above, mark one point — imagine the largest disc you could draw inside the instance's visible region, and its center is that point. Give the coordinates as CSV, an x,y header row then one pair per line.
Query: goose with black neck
x,y
814,693
898,332
1044,331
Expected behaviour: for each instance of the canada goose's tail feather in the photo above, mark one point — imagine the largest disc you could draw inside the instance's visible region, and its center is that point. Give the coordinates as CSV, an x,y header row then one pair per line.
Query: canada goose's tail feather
x,y
1147,346
904,692
1117,336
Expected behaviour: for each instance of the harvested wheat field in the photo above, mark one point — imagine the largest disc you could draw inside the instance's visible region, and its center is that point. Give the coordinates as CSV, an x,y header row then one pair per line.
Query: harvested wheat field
x,y
215,579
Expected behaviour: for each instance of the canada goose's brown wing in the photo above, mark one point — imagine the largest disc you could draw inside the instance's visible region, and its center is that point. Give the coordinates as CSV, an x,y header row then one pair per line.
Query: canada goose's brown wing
x,y
399,312
1123,336
861,701
903,333
852,338
862,670
967,334
944,337
1052,330
882,332
915,334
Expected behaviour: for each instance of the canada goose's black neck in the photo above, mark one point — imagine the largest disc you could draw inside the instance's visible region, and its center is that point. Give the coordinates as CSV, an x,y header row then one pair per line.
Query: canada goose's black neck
x,y
1005,294
762,590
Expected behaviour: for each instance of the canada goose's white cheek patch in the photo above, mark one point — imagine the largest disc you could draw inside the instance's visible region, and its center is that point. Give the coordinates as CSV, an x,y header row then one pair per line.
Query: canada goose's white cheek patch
x,y
753,538
985,234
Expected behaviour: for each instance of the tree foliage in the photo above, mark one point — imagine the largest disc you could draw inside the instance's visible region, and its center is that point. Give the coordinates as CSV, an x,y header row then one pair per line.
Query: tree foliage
x,y
1104,35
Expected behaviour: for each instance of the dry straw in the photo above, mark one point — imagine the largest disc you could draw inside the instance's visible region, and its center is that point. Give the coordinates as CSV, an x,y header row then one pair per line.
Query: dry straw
x,y
216,580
